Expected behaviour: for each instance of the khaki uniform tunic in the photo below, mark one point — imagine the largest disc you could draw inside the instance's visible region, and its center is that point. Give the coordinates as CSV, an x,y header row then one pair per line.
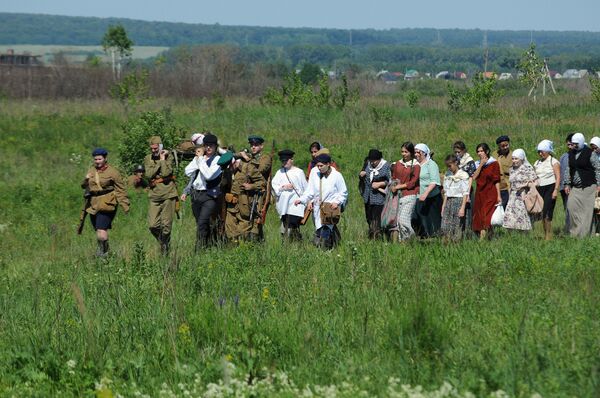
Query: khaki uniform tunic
x,y
505,163
256,172
108,179
161,208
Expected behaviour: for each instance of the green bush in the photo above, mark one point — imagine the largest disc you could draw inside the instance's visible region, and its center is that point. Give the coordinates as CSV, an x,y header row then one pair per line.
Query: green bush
x,y
595,89
412,98
294,92
132,90
134,141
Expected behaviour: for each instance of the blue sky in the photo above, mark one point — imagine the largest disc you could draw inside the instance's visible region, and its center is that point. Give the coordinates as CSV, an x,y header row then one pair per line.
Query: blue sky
x,y
507,14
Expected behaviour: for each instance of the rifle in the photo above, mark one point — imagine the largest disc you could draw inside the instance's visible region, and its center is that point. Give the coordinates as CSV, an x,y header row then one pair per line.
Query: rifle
x,y
253,207
83,214
267,202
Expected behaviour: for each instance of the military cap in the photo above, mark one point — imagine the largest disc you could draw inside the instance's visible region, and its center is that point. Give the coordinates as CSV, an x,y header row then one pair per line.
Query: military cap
x,y
155,140
210,139
502,138
225,158
285,155
100,152
255,139
139,169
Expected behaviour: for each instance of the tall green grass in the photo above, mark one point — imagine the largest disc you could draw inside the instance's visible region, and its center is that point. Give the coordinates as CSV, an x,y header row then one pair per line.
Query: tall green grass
x,y
515,313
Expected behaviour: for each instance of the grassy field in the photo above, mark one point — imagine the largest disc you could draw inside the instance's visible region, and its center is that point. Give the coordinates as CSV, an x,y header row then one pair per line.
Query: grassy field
x,y
516,314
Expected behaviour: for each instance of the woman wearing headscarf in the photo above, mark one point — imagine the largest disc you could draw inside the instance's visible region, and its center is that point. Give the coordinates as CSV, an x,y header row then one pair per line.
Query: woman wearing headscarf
x,y
456,193
521,177
582,184
429,203
547,169
105,189
316,149
288,185
328,194
376,176
405,183
487,190
466,163
595,145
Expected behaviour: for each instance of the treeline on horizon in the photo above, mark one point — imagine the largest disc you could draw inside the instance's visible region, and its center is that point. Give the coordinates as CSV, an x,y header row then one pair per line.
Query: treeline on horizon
x,y
428,50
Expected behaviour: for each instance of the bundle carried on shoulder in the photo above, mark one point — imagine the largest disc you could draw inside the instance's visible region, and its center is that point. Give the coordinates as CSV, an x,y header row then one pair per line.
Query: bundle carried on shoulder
x,y
534,203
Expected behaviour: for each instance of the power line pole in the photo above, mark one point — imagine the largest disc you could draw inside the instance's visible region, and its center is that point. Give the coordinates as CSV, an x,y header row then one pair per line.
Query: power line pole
x,y
485,51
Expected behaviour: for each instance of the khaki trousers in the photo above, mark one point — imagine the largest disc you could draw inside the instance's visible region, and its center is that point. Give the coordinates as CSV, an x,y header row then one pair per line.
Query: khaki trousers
x,y
160,216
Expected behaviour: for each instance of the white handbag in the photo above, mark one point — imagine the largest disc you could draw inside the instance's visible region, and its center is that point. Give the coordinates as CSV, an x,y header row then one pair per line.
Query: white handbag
x,y
498,216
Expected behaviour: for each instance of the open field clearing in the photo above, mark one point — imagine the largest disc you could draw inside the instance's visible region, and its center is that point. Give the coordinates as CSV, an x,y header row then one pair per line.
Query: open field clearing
x,y
516,313
78,54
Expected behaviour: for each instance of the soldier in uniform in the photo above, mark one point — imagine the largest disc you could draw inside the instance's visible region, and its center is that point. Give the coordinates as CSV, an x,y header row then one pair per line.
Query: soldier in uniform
x,y
162,192
137,179
105,189
248,191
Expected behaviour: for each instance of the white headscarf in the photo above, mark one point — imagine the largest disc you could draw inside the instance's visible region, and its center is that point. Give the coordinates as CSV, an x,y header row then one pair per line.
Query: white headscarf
x,y
425,149
578,139
197,138
374,171
546,146
520,154
595,141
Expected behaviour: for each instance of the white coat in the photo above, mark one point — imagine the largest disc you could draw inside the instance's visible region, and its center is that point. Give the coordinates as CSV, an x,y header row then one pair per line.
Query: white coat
x,y
287,197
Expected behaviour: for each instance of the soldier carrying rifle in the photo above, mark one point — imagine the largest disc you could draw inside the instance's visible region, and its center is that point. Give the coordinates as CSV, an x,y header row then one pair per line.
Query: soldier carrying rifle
x,y
247,201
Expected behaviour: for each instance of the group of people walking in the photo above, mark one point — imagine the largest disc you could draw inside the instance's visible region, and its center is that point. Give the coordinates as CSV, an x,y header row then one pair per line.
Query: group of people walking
x,y
410,197
230,192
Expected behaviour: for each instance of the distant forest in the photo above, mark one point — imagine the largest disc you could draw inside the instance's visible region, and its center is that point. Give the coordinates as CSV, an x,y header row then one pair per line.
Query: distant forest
x,y
393,49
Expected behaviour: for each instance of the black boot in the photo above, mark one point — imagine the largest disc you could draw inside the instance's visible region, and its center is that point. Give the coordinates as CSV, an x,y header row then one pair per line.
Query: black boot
x,y
295,234
164,244
156,233
102,249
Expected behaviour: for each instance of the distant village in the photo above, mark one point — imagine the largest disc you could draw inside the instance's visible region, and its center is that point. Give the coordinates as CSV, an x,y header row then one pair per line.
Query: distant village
x,y
26,59
411,74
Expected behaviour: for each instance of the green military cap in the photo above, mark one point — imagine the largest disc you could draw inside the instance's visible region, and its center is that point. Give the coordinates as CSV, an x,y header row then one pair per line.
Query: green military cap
x,y
225,158
255,139
154,140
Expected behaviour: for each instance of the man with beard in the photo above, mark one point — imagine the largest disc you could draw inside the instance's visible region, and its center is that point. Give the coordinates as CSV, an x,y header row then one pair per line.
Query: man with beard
x,y
504,158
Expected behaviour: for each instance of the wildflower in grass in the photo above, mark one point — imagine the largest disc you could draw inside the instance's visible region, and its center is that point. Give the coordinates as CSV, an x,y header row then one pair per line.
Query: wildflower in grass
x,y
265,294
222,301
71,363
184,333
103,388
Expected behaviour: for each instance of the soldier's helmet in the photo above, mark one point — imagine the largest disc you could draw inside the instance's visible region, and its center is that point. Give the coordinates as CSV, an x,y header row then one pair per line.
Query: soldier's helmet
x,y
139,169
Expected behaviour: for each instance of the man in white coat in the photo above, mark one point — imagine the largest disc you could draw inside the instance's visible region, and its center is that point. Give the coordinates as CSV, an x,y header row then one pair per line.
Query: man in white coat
x,y
327,190
288,185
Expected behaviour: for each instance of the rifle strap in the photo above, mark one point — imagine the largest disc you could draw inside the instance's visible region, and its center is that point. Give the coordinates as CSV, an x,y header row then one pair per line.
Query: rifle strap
x,y
290,181
97,178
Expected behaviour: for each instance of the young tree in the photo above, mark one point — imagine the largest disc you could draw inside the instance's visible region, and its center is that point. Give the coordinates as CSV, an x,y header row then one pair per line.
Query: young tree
x,y
116,42
534,71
